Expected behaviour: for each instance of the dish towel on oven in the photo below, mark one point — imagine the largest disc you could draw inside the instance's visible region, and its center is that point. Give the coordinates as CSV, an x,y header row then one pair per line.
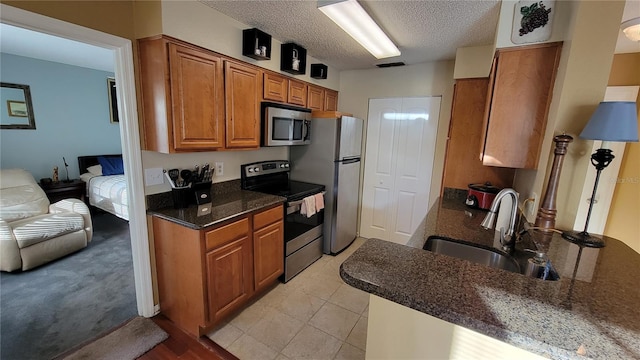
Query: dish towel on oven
x,y
308,206
319,201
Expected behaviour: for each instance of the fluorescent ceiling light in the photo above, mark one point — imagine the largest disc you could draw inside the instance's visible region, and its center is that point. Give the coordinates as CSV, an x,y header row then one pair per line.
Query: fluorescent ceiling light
x,y
352,18
631,29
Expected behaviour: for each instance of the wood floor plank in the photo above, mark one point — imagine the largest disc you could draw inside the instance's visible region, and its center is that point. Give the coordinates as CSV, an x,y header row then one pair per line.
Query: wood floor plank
x,y
180,345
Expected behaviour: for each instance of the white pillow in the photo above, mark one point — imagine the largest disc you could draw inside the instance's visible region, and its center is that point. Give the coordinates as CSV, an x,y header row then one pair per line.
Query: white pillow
x,y
95,170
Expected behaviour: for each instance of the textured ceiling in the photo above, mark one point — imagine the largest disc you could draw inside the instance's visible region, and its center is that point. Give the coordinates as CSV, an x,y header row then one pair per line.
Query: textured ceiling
x,y
424,30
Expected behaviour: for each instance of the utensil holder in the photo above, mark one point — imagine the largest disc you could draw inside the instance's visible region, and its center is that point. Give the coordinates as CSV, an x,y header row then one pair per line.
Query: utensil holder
x,y
182,197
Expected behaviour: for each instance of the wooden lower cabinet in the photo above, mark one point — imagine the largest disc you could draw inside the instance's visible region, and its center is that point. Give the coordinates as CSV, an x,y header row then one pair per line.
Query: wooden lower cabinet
x,y
205,275
229,277
268,252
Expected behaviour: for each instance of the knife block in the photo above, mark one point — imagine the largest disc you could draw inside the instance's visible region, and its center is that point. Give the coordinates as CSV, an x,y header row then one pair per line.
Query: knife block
x,y
202,192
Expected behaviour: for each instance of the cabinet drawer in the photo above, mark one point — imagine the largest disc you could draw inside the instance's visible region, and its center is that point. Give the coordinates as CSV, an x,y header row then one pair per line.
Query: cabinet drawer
x,y
267,217
226,233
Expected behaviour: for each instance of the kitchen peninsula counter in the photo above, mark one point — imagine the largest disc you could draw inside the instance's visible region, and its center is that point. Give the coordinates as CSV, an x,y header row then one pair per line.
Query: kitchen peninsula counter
x,y
594,306
228,200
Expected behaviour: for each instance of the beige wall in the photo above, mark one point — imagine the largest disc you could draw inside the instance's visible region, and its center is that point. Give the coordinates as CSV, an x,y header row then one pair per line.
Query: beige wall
x,y
473,62
624,212
580,85
427,79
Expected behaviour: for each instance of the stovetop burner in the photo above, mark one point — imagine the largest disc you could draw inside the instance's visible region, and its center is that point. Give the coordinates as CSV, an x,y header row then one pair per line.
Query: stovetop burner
x,y
272,177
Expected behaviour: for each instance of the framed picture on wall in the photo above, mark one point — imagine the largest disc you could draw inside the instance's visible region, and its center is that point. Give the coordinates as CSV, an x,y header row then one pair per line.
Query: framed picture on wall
x,y
17,108
532,21
113,100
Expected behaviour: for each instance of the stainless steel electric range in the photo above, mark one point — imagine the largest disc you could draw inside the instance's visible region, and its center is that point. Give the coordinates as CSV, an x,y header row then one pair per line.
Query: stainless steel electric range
x,y
303,235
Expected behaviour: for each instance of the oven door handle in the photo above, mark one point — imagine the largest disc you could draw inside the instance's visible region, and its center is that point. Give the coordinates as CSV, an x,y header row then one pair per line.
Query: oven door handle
x,y
295,205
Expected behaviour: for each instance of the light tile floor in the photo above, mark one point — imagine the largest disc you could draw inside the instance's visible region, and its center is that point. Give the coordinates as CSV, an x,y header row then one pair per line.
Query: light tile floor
x,y
313,316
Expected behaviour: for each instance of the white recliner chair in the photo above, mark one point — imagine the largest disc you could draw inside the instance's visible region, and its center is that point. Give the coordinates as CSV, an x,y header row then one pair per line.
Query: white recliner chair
x,y
33,232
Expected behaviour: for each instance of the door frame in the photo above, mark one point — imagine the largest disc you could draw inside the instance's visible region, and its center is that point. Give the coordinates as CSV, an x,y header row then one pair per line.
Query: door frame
x,y
129,133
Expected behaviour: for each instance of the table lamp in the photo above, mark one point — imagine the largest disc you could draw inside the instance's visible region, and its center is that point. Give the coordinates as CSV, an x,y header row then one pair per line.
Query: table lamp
x,y
612,121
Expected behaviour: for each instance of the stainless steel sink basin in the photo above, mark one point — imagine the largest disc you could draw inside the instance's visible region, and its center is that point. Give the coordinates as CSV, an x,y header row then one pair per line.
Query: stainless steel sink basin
x,y
471,252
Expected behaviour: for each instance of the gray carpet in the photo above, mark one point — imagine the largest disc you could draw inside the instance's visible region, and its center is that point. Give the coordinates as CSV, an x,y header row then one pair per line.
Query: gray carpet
x,y
126,343
47,311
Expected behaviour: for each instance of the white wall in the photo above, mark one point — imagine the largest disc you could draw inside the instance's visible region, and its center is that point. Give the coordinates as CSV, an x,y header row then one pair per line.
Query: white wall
x,y
427,79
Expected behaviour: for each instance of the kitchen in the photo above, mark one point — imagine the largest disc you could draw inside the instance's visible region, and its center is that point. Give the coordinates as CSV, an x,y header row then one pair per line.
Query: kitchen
x,y
351,95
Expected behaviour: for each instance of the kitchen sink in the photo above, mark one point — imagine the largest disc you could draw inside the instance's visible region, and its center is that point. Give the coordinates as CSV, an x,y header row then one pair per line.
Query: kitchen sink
x,y
489,256
471,252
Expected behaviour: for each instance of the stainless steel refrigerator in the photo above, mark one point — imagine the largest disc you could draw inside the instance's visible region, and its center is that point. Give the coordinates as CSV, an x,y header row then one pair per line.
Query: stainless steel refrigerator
x,y
333,160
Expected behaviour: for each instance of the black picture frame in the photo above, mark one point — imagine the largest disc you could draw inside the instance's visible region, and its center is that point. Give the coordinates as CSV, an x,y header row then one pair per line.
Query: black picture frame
x,y
113,101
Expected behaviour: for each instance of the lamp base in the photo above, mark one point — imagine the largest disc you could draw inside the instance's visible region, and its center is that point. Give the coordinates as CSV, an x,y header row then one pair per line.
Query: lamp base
x,y
583,238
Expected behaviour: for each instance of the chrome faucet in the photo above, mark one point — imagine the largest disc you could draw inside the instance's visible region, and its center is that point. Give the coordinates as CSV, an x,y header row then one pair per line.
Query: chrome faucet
x,y
506,237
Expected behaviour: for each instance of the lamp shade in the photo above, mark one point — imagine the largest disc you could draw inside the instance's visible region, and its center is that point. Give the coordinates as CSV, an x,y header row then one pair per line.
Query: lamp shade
x,y
613,121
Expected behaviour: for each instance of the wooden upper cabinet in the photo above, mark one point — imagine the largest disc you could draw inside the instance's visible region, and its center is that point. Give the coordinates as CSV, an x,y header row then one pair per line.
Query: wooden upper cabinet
x,y
297,93
520,95
182,96
197,95
461,166
275,87
330,100
315,98
243,86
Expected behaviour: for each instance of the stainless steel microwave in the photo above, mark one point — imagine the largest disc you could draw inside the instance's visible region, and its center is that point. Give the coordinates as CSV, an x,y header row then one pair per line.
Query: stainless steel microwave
x,y
284,125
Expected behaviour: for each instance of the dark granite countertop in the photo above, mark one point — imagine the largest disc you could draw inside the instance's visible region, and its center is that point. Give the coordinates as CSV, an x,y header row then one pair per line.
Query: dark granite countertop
x,y
595,303
228,200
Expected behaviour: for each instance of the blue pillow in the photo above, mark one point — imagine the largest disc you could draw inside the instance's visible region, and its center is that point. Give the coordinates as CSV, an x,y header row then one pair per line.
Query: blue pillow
x,y
111,165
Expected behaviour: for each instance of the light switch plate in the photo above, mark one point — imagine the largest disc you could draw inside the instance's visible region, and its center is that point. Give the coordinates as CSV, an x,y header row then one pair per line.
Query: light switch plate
x,y
153,176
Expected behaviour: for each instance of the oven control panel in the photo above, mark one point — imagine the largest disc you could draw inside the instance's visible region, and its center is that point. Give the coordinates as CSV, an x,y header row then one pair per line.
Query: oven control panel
x,y
264,168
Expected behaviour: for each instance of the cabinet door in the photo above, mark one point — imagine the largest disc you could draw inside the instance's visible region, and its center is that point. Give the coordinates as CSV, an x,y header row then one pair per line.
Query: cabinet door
x,y
275,87
461,165
197,98
229,277
522,93
315,98
297,93
268,250
243,94
330,100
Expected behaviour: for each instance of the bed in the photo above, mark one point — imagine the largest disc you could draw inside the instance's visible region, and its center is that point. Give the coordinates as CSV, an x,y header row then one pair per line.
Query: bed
x,y
105,192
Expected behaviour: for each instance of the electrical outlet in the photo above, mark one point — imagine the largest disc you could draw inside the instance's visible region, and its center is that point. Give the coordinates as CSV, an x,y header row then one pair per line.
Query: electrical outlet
x,y
153,176
219,168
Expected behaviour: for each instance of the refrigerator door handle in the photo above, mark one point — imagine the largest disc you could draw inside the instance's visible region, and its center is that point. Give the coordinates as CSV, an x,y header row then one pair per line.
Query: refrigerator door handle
x,y
350,160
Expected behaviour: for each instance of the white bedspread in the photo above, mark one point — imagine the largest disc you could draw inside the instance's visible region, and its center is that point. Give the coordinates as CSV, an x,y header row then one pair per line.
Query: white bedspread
x,y
108,193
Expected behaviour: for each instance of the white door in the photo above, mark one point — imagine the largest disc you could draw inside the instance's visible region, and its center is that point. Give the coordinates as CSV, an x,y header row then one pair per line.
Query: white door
x,y
608,177
400,149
